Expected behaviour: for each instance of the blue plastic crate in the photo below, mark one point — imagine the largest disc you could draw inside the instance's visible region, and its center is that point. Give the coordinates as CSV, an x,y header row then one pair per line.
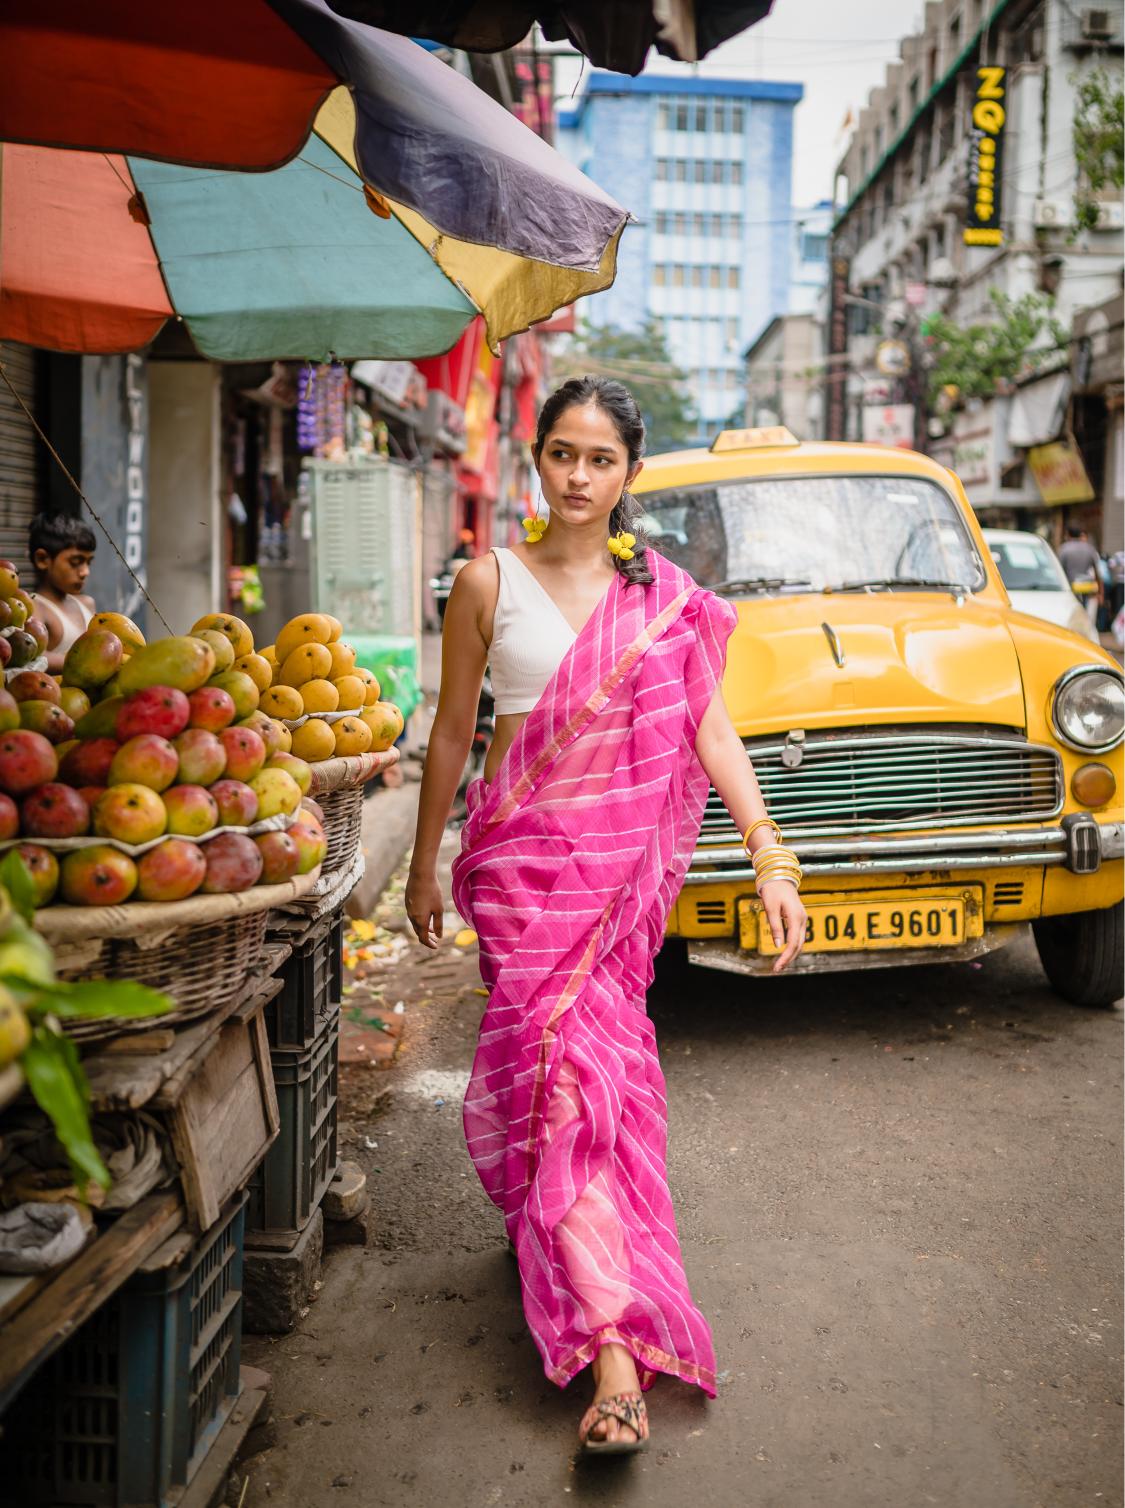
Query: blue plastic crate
x,y
287,1186
125,1412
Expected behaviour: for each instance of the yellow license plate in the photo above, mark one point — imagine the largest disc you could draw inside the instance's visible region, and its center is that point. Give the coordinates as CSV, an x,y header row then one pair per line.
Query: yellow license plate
x,y
917,921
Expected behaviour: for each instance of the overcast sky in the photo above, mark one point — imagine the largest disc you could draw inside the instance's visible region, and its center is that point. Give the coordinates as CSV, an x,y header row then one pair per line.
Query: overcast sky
x,y
838,51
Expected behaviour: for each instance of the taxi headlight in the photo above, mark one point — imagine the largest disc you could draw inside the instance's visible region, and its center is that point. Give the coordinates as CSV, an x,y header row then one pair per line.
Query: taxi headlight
x,y
1088,708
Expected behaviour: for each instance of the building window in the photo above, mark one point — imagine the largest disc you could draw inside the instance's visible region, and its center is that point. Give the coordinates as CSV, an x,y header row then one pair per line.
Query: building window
x,y
697,277
720,115
734,277
662,170
677,277
681,224
915,86
681,117
736,119
700,171
946,131
698,223
878,142
730,329
681,170
736,172
661,221
701,117
713,278
664,116
736,226
894,120
954,38
814,247
863,161
659,275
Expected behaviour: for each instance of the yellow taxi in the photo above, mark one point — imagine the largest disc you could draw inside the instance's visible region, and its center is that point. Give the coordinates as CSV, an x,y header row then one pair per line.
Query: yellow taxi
x,y
948,770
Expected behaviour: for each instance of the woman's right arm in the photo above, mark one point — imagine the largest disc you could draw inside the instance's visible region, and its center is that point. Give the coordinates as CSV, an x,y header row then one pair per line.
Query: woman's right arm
x,y
464,654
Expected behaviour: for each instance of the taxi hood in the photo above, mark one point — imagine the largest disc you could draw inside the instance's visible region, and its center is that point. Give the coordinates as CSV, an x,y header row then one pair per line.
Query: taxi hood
x,y
908,657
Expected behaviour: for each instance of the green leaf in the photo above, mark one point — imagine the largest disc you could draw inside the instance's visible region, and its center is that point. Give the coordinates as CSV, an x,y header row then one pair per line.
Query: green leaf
x,y
54,1076
25,955
104,997
16,879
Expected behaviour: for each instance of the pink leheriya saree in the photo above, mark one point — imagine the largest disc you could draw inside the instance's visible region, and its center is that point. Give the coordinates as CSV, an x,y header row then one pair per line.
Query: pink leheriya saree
x,y
571,859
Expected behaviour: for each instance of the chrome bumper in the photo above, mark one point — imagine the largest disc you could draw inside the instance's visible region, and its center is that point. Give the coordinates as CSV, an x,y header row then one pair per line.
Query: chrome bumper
x,y
1080,844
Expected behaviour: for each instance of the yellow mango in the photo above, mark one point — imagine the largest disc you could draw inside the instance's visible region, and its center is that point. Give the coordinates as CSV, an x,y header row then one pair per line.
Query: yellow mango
x,y
352,692
308,662
309,628
314,740
320,696
282,701
353,736
258,668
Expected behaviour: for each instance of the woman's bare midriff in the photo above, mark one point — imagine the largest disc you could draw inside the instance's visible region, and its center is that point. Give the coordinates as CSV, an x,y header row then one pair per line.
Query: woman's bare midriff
x,y
508,724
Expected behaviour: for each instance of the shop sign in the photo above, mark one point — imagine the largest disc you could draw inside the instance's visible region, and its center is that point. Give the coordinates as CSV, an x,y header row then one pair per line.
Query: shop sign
x,y
986,146
974,454
1060,473
396,381
836,379
892,358
889,424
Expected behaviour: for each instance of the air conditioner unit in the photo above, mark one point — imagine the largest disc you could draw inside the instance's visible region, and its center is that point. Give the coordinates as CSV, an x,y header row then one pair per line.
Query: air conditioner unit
x,y
1050,214
1097,25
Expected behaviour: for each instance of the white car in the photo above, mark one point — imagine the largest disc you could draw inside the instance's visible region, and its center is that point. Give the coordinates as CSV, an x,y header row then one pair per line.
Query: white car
x,y
1036,581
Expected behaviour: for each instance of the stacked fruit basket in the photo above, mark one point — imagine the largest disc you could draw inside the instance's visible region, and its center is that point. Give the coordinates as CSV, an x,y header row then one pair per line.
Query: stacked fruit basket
x,y
169,813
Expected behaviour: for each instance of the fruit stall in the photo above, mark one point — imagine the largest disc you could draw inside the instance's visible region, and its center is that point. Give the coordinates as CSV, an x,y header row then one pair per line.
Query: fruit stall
x,y
179,831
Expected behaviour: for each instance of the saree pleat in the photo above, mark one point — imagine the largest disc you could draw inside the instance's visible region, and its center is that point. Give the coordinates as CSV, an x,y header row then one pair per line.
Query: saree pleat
x,y
570,862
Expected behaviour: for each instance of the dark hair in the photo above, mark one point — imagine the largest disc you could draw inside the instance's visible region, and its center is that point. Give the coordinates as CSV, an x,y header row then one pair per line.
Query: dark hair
x,y
1074,531
55,532
615,399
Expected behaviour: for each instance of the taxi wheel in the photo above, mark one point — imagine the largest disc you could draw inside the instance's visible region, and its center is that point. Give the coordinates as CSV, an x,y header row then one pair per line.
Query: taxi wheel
x,y
1082,954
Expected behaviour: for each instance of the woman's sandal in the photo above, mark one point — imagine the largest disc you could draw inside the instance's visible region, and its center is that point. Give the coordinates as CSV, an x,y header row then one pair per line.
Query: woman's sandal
x,y
628,1409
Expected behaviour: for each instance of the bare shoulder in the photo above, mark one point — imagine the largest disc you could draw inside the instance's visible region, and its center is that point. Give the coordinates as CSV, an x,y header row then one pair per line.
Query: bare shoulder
x,y
478,582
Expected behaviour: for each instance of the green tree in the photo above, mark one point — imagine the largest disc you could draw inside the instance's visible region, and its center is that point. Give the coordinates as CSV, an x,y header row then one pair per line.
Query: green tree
x,y
977,360
1099,145
641,360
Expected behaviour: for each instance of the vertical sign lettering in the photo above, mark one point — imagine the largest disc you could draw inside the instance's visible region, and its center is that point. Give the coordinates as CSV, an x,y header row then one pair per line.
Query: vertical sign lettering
x,y
986,143
136,472
836,376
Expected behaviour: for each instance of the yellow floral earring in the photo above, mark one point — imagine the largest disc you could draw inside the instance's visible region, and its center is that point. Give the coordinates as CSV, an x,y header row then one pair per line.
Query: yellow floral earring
x,y
621,544
535,526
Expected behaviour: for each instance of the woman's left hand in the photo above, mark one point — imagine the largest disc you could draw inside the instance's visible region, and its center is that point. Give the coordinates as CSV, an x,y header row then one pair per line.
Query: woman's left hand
x,y
786,918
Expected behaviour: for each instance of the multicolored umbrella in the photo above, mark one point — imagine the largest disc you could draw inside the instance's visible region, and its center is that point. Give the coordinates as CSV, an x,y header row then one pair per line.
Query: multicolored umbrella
x,y
291,93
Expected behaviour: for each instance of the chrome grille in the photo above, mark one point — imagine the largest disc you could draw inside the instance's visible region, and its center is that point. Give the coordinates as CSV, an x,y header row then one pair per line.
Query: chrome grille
x,y
892,781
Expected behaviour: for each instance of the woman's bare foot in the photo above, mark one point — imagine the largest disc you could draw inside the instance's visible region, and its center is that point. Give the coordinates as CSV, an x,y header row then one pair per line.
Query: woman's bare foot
x,y
614,1372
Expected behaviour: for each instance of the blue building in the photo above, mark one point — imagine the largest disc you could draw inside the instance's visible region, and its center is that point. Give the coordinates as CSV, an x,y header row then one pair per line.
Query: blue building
x,y
704,164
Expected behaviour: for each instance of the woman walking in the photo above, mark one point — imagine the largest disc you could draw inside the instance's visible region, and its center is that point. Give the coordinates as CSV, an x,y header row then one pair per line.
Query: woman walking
x,y
606,661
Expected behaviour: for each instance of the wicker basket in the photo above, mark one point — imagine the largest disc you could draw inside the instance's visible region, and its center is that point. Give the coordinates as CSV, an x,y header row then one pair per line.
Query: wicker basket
x,y
343,819
201,952
199,967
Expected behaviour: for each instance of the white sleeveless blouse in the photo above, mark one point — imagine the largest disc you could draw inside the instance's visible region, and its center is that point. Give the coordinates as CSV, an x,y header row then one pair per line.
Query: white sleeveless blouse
x,y
530,637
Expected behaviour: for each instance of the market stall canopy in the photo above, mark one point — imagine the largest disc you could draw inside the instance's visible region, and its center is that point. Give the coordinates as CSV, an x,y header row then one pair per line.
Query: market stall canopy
x,y
97,251
615,34
240,86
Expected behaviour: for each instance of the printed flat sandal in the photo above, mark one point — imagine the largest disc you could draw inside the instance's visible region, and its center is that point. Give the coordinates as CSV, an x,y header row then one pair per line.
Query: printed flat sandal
x,y
628,1409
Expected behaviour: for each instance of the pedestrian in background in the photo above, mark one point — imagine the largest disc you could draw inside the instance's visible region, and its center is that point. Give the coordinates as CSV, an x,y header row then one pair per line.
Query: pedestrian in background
x,y
61,550
1083,565
606,661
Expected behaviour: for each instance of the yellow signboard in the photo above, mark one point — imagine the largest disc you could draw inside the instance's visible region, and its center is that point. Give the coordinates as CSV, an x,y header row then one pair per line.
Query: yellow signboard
x,y
752,439
1059,473
986,146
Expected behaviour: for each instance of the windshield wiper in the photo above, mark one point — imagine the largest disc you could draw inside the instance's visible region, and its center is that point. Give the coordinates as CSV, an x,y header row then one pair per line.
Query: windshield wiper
x,y
757,583
958,588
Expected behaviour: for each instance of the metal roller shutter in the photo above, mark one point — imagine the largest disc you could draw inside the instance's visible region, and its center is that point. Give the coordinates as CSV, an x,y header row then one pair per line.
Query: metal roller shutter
x,y
19,458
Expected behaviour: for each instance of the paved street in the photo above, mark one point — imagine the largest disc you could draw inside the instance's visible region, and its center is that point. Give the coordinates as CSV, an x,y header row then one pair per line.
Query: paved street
x,y
898,1196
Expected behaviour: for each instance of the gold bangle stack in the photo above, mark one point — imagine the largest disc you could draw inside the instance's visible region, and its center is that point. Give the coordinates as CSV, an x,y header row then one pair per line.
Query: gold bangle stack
x,y
773,861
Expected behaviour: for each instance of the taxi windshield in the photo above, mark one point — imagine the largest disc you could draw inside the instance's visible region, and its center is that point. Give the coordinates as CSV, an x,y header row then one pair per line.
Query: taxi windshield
x,y
815,533
1027,564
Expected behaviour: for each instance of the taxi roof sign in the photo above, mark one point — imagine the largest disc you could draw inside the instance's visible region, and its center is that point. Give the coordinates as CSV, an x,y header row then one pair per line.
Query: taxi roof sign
x,y
753,439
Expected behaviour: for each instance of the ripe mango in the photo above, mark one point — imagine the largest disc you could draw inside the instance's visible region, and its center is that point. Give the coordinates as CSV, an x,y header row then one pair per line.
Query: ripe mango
x,y
343,659
386,724
100,721
181,662
125,629
353,736
308,662
235,630
282,701
93,659
314,740
241,688
309,628
373,690
337,627
320,696
221,646
351,690
258,668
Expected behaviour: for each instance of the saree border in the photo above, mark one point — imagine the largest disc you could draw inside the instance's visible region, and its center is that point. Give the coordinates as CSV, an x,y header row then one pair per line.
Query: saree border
x,y
590,707
649,1356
